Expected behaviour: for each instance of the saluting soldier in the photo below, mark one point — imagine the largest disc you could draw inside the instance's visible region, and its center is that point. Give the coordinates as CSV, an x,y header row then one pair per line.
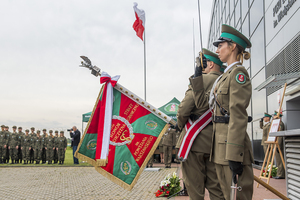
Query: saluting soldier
x,y
198,171
230,97
26,146
13,145
3,144
20,137
6,159
61,146
37,147
32,145
56,137
280,169
266,128
49,147
167,146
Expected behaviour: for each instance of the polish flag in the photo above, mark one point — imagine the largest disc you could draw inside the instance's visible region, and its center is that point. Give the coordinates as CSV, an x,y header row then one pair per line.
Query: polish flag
x,y
139,24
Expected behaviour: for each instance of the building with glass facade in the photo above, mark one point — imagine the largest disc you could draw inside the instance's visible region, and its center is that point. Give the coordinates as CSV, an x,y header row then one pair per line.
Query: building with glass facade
x,y
272,27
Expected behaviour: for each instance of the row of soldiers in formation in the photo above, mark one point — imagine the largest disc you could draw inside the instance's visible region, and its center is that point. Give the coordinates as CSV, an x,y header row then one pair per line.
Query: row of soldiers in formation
x,y
19,146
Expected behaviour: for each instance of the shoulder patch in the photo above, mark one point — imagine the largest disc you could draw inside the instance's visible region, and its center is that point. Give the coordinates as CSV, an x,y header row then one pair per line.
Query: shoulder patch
x,y
240,78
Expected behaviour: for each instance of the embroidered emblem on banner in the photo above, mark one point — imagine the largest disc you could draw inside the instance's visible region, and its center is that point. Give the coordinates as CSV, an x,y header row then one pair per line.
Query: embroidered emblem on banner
x,y
125,167
240,78
122,131
91,145
151,125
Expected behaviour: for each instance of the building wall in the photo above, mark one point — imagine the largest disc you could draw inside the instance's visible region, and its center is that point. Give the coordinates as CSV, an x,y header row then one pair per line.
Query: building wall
x,y
256,20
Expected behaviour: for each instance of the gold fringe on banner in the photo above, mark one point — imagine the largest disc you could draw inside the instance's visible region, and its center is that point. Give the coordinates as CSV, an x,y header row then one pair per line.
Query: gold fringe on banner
x,y
101,162
79,155
122,183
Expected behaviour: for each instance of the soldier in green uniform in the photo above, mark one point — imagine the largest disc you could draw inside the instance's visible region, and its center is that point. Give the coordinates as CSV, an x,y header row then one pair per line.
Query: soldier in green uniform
x,y
61,146
20,137
32,144
167,146
161,150
55,148
13,145
6,159
230,97
3,144
266,128
44,144
175,139
49,147
26,146
280,169
37,147
198,171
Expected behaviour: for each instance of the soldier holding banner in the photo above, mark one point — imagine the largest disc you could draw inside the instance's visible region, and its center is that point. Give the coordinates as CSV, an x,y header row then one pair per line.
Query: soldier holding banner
x,y
279,163
198,172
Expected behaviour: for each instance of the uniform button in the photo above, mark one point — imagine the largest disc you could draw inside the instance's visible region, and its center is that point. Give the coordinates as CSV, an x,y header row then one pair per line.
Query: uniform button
x,y
241,154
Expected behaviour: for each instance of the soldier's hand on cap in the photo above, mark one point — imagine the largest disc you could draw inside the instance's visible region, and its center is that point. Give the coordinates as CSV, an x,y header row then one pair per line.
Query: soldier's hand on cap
x,y
236,168
198,69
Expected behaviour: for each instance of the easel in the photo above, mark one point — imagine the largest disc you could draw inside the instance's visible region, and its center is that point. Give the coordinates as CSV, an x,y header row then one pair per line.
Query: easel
x,y
272,146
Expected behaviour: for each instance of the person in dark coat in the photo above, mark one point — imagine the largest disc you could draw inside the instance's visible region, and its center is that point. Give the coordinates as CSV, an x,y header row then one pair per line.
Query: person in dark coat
x,y
75,136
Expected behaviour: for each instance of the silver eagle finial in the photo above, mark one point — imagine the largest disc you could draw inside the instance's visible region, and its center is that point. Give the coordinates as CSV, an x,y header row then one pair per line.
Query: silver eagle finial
x,y
88,64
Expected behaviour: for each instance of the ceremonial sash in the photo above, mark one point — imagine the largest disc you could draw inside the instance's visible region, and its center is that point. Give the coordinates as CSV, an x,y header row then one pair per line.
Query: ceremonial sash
x,y
192,130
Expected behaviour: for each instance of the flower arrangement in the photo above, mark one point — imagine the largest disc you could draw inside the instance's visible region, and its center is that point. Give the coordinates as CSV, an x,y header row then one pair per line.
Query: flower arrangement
x,y
169,186
273,171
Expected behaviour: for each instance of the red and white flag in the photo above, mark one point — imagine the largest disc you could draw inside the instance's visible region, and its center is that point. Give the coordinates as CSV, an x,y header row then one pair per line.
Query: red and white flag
x,y
139,24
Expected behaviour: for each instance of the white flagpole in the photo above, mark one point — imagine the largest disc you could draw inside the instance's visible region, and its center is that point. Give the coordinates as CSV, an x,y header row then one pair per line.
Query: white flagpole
x,y
145,64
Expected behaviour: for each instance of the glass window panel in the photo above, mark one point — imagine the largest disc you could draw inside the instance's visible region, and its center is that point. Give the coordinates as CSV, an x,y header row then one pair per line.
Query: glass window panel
x,y
232,21
257,49
238,26
259,104
231,6
245,8
245,27
256,14
227,10
237,12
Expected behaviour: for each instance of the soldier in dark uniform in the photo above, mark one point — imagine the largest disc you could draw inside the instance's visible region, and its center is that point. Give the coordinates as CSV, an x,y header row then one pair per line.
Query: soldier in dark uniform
x,y
25,146
279,163
32,144
167,145
44,143
266,128
49,147
3,144
6,159
55,148
230,97
37,147
20,137
61,146
13,145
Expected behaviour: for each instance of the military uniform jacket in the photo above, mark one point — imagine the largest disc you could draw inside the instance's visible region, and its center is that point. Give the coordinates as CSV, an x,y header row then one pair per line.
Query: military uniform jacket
x,y
231,141
49,141
20,137
26,142
38,143
56,141
61,142
7,136
200,87
32,141
266,129
3,138
168,137
13,140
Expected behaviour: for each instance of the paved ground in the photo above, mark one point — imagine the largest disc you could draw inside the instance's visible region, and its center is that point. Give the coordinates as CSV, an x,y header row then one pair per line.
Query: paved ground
x,y
73,183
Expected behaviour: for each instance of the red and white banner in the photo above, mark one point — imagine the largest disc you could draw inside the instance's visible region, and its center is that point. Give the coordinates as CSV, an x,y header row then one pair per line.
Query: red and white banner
x,y
139,24
105,118
192,130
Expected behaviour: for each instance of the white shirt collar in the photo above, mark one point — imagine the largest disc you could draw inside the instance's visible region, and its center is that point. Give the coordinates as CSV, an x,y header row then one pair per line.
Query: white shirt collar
x,y
227,68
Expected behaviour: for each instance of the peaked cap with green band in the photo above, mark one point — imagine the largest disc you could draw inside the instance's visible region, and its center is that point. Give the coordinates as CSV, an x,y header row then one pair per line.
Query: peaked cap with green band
x,y
267,115
230,34
275,113
212,56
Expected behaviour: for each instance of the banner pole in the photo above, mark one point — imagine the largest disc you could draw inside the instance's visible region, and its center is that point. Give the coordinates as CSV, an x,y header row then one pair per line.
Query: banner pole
x,y
145,65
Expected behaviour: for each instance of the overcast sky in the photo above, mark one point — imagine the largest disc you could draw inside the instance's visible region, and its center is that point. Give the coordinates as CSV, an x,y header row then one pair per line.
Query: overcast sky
x,y
42,84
